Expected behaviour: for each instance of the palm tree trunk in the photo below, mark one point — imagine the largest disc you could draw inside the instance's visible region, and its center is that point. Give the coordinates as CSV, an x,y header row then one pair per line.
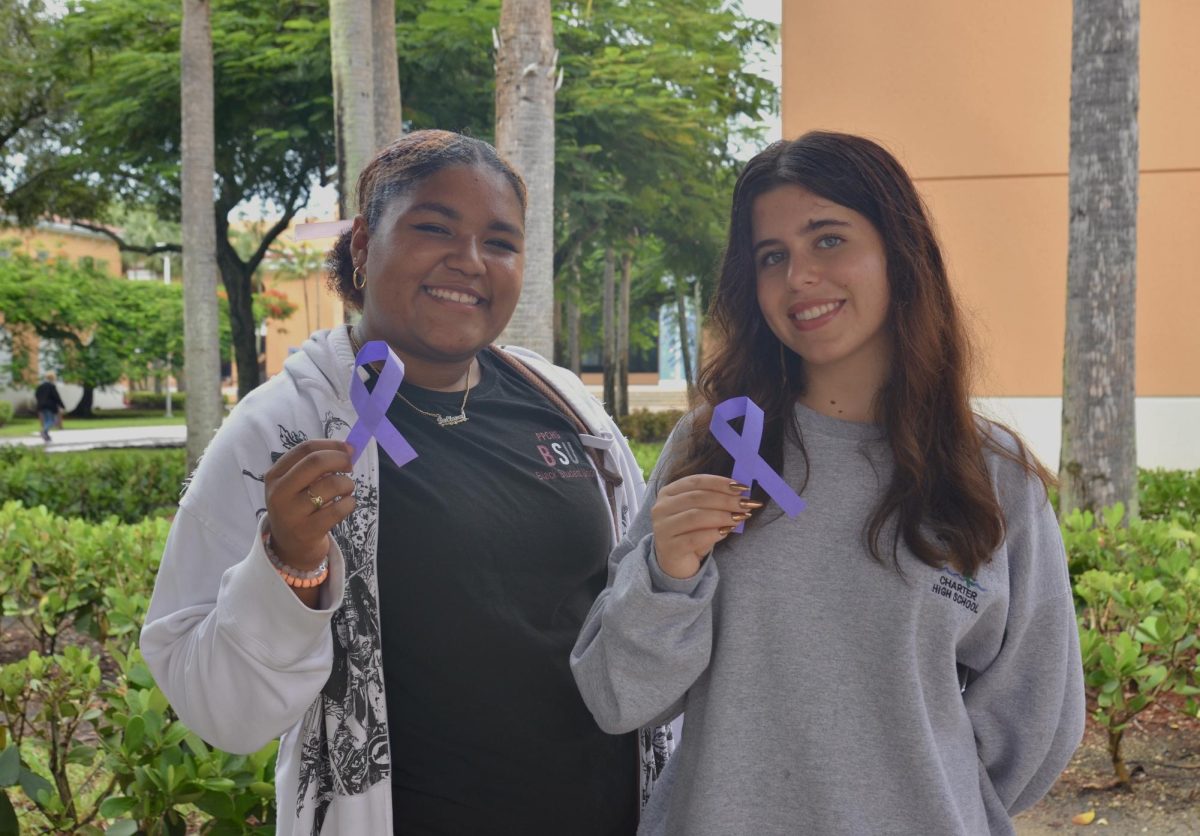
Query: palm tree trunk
x,y
574,355
386,71
560,318
1098,466
202,363
350,27
622,402
608,351
526,62
685,351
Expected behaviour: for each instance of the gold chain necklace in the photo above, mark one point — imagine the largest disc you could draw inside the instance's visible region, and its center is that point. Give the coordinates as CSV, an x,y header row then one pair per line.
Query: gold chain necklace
x,y
442,420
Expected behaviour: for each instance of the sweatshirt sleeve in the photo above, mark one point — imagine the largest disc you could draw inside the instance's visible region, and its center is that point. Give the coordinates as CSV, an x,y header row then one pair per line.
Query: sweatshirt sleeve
x,y
1027,708
238,655
648,635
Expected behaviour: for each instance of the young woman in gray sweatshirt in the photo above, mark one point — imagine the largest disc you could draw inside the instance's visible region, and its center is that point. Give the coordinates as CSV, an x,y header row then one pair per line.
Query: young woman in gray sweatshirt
x,y
901,657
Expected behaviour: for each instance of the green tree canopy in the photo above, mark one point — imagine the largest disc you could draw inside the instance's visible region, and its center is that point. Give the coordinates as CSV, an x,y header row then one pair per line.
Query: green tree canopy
x,y
103,328
654,92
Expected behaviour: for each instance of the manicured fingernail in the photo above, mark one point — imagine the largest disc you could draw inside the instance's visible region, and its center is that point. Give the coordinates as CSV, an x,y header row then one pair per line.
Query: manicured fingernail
x,y
724,530
738,487
750,504
739,517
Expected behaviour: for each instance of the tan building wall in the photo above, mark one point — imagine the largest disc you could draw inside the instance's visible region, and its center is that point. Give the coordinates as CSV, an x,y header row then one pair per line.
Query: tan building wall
x,y
973,97
55,240
316,307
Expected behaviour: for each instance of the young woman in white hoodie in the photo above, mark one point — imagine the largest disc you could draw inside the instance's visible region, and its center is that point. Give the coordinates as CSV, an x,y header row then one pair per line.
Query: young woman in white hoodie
x,y
406,629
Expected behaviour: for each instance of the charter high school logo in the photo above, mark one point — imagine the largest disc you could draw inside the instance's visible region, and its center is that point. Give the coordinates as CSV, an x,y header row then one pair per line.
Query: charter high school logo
x,y
961,589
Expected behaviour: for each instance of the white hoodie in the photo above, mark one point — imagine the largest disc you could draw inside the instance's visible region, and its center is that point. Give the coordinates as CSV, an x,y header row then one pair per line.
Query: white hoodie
x,y
243,661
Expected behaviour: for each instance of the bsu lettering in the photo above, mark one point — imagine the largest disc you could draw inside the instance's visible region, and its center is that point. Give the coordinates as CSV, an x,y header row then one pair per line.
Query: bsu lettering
x,y
560,453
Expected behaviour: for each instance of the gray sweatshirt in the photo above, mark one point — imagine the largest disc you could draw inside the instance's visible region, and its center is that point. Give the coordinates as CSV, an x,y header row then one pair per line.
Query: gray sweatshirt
x,y
824,691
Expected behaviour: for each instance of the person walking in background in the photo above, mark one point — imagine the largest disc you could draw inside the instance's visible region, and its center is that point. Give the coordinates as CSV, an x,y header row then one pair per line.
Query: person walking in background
x,y
49,404
902,655
407,629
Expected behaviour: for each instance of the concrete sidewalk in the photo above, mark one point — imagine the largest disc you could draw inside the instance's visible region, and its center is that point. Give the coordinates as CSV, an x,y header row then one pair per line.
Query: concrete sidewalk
x,y
62,441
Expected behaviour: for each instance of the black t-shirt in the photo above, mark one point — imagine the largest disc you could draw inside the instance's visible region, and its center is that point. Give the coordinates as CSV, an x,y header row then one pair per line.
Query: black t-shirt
x,y
493,546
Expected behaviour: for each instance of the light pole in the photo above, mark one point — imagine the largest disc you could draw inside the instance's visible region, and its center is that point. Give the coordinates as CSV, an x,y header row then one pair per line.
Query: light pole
x,y
167,280
166,262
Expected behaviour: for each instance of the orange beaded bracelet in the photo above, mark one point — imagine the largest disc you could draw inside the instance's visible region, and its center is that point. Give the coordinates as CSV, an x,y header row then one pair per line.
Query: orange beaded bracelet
x,y
294,577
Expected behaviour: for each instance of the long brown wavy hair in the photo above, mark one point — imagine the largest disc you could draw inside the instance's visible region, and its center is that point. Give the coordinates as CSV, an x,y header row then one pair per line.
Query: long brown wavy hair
x,y
940,497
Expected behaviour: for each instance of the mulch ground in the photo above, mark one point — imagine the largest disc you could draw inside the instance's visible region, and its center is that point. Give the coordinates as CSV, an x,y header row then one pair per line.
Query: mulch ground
x,y
1162,750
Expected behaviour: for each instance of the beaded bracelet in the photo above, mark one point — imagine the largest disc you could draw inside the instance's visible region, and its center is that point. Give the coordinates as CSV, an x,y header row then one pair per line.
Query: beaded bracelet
x,y
293,577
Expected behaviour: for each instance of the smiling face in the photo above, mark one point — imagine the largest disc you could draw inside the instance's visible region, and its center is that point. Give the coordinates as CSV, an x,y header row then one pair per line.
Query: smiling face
x,y
821,277
443,265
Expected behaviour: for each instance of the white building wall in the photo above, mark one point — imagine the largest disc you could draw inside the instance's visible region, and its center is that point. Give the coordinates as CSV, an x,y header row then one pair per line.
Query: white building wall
x,y
1168,429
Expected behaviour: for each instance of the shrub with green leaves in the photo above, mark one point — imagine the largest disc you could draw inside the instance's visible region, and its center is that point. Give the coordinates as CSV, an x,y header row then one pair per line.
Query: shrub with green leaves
x,y
94,484
159,766
6,412
60,573
1137,594
53,700
88,743
1163,494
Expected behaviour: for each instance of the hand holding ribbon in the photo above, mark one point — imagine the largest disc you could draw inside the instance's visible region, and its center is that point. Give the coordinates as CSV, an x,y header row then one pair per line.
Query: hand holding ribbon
x,y
748,466
372,406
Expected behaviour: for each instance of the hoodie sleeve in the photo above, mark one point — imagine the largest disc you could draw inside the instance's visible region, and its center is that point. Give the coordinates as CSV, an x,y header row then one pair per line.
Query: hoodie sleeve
x,y
239,656
1027,707
648,635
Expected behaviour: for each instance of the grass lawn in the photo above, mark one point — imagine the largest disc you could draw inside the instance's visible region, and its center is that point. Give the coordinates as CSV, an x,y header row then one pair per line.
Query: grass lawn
x,y
646,453
113,418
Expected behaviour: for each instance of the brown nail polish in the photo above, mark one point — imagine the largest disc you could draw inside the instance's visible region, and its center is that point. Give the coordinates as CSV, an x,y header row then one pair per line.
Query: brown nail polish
x,y
738,487
737,518
750,504
723,530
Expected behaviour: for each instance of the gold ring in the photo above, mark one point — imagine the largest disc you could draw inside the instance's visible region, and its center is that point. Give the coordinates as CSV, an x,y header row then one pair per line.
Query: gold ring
x,y
317,500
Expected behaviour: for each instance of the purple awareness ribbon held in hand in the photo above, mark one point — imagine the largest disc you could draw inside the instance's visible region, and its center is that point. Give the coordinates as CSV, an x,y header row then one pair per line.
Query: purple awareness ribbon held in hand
x,y
748,466
372,406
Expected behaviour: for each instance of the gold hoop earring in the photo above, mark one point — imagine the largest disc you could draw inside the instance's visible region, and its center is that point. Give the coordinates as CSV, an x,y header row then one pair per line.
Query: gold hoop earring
x,y
355,279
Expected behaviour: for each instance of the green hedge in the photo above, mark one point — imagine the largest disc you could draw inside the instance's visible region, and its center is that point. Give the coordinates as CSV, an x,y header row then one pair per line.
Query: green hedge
x,y
1166,493
643,425
156,400
94,485
6,412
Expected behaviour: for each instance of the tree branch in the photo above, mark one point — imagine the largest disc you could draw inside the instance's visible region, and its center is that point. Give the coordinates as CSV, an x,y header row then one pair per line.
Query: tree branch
x,y
571,247
274,232
123,245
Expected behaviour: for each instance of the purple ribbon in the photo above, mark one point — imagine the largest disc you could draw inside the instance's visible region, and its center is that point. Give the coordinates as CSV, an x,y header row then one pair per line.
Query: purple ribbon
x,y
372,406
748,466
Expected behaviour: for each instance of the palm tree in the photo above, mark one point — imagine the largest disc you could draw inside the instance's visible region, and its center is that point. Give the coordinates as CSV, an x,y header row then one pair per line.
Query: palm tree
x,y
1098,467
608,351
526,62
202,365
350,26
386,72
